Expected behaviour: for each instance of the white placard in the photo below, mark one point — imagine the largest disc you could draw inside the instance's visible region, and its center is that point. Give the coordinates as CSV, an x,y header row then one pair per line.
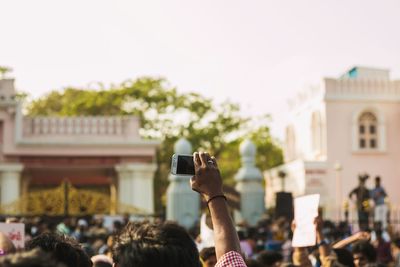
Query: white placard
x,y
16,233
305,211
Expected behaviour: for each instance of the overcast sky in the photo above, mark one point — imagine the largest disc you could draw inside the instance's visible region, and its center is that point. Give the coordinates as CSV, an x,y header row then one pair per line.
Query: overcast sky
x,y
256,53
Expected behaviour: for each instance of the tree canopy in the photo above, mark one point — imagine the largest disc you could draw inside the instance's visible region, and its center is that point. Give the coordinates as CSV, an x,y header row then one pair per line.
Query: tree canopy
x,y
167,115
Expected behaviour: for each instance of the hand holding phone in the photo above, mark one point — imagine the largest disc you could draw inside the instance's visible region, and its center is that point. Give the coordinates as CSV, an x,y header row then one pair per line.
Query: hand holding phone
x,y
207,180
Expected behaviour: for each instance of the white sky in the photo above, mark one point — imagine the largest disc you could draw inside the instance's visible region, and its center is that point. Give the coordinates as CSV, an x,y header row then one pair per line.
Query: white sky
x,y
256,53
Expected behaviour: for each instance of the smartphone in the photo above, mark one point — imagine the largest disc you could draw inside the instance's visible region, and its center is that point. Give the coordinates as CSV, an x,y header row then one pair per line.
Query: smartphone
x,y
182,165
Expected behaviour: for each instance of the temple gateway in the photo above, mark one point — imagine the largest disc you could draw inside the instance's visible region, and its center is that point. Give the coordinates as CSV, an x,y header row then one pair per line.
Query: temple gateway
x,y
72,165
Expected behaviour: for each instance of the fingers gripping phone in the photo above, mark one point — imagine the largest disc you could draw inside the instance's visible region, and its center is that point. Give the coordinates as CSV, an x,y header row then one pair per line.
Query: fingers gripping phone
x,y
182,165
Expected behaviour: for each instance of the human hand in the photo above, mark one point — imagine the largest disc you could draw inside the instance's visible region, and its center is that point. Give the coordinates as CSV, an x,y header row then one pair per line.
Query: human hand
x,y
207,179
362,235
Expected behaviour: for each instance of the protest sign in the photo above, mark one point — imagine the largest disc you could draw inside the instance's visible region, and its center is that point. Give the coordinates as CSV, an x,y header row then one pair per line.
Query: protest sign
x,y
16,233
305,211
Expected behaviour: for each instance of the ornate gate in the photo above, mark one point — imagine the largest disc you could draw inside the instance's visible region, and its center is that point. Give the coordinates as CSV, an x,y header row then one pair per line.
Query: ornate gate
x,y
63,200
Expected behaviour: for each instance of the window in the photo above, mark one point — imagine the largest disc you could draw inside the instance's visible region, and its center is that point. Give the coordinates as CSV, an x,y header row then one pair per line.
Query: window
x,y
367,133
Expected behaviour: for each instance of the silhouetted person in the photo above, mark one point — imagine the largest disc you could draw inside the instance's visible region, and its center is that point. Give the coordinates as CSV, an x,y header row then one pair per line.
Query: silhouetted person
x,y
378,195
362,197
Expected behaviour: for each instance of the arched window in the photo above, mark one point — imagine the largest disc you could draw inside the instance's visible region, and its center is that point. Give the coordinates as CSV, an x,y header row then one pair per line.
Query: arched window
x,y
367,131
316,132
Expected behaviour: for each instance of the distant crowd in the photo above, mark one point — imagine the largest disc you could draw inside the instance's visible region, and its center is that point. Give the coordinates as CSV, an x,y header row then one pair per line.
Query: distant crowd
x,y
93,241
267,244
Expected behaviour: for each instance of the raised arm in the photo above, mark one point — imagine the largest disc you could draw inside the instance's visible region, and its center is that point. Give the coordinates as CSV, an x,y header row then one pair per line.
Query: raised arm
x,y
208,182
351,239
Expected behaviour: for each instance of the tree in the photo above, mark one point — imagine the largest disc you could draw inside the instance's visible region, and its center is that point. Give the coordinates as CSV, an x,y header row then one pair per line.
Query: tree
x,y
3,71
168,115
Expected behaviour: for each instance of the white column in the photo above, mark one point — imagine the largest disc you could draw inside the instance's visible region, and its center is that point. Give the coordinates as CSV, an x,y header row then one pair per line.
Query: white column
x,y
135,185
249,185
10,182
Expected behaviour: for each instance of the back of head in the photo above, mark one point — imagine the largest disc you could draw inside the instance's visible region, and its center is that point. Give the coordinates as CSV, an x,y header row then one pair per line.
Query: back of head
x,y
33,258
366,249
6,245
143,244
65,249
344,257
253,263
269,258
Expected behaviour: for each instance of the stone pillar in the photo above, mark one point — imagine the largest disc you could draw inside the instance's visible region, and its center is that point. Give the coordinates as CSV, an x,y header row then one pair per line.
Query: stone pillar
x,y
135,186
10,183
249,185
183,204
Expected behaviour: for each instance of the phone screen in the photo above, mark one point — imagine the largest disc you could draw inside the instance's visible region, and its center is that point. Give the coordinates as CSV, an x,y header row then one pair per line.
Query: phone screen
x,y
185,165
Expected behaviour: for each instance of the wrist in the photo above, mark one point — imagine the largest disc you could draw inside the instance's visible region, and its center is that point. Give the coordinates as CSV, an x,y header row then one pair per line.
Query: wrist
x,y
215,198
210,195
321,243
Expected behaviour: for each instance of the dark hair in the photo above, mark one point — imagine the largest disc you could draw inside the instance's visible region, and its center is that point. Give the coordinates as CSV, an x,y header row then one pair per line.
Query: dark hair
x,y
396,242
63,248
253,263
366,249
269,257
33,258
143,244
207,253
344,257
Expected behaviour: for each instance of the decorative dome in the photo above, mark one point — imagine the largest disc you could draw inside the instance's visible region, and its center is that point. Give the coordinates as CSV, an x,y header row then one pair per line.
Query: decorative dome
x,y
183,146
247,149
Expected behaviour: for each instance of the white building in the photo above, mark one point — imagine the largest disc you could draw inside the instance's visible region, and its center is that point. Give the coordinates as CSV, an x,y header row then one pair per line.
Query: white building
x,y
341,128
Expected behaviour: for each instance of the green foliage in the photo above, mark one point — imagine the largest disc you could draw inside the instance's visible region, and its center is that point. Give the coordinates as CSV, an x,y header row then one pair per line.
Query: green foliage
x,y
4,70
168,115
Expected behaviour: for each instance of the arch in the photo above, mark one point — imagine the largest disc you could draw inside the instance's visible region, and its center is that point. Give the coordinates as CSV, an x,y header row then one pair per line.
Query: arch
x,y
368,130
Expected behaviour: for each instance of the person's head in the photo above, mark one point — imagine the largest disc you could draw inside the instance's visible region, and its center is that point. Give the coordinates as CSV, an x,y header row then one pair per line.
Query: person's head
x,y
253,263
344,257
33,258
377,181
362,178
363,253
208,257
65,249
6,246
143,244
270,258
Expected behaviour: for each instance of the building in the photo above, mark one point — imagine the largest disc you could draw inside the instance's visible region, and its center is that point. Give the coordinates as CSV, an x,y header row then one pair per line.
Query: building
x,y
337,130
72,165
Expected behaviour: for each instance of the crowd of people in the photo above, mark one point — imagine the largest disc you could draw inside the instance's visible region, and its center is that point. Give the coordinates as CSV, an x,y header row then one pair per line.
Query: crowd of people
x,y
88,241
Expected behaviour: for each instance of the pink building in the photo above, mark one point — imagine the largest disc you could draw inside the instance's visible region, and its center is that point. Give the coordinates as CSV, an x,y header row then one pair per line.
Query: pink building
x,y
344,127
98,164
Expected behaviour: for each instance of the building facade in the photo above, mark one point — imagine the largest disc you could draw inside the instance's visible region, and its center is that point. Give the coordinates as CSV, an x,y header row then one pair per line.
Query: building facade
x,y
73,165
338,130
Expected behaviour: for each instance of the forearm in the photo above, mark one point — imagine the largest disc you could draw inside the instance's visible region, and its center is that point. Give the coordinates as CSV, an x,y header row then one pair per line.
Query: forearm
x,y
345,242
323,248
225,235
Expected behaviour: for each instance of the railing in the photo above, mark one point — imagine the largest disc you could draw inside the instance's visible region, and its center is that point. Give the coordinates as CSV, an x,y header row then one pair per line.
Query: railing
x,y
352,217
37,126
380,88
